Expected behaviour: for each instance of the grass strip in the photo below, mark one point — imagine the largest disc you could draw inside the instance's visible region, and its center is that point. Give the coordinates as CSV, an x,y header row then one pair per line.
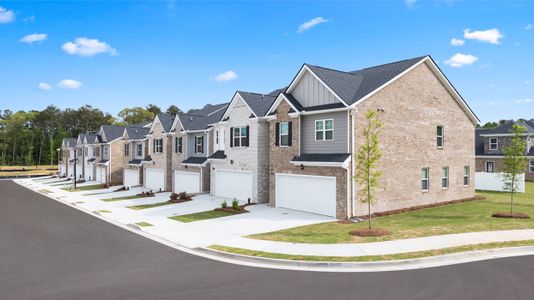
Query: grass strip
x,y
103,211
123,198
85,188
143,224
145,206
371,258
210,214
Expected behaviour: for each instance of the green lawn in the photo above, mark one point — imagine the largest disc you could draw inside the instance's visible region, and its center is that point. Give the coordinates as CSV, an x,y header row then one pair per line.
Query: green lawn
x,y
145,206
367,258
84,188
454,218
210,214
103,211
123,198
143,224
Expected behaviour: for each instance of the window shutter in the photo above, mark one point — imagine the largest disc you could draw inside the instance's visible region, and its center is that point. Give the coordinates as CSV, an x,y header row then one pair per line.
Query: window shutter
x,y
277,132
231,137
247,138
202,144
154,146
289,133
180,144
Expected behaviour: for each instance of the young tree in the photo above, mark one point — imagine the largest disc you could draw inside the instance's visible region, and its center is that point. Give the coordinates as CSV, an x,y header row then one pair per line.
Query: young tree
x,y
367,160
515,161
173,110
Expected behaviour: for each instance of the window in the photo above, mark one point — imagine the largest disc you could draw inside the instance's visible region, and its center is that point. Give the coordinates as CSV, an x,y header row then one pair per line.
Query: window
x,y
440,136
199,144
178,145
97,151
531,166
126,149
445,178
493,143
105,151
284,134
217,137
240,135
424,179
157,146
140,150
324,130
490,167
467,171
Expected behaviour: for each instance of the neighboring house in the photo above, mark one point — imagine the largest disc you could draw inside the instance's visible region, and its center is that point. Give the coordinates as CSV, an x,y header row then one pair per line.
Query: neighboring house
x,y
240,159
157,174
66,164
194,141
135,153
92,144
316,126
109,169
80,152
490,144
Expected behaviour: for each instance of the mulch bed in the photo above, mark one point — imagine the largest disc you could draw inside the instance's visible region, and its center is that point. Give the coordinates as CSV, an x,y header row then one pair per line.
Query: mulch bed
x,y
365,232
510,215
230,209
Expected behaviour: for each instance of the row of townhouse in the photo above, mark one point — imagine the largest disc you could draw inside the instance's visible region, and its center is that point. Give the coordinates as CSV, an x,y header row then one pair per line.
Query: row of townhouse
x,y
295,146
490,145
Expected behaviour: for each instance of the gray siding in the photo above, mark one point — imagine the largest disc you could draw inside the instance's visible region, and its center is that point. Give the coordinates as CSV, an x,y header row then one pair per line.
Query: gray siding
x,y
310,92
191,145
307,134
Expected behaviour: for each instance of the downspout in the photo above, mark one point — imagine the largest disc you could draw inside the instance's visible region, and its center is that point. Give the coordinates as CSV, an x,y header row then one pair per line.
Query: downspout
x,y
353,152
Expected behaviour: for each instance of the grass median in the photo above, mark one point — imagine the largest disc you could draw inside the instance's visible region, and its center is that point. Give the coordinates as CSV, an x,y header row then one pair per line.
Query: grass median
x,y
205,215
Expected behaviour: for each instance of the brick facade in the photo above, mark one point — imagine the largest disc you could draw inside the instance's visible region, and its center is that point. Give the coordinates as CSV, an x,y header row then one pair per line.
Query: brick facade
x,y
499,164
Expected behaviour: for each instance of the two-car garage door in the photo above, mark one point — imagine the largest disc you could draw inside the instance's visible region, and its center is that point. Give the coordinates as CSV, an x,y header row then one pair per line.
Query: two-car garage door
x,y
155,179
315,194
233,184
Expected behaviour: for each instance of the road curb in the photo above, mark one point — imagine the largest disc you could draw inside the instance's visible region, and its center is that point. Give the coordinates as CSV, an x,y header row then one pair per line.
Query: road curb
x,y
270,263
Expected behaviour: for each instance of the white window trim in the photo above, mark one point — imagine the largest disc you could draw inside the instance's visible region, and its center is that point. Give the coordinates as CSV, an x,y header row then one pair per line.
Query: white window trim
x,y
468,175
217,137
158,146
442,136
324,130
197,144
443,177
496,144
127,149
280,134
427,179
137,150
531,166
240,137
486,166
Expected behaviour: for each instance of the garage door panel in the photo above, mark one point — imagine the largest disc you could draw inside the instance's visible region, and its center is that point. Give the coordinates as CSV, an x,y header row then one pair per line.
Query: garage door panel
x,y
233,184
131,178
188,182
89,171
315,194
155,179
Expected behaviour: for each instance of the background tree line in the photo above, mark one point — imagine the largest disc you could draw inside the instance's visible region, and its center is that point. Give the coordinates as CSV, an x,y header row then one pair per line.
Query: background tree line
x,y
32,137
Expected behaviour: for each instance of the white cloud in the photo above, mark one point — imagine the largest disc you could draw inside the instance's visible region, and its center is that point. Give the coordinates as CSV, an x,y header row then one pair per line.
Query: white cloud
x,y
69,84
524,101
311,23
87,47
489,36
35,37
6,16
226,76
44,86
457,42
529,26
459,60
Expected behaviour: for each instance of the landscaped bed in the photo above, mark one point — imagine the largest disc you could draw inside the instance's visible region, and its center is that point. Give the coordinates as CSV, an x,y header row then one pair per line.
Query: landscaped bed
x,y
131,197
174,199
461,217
400,256
210,214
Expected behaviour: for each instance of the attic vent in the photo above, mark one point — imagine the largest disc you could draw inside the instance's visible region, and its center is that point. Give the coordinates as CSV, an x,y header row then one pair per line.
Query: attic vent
x,y
190,119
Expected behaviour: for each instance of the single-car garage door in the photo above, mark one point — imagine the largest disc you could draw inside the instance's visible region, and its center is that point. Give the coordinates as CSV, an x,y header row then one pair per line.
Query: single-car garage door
x,y
88,171
131,178
62,170
155,180
79,170
233,184
101,174
188,182
315,194
71,170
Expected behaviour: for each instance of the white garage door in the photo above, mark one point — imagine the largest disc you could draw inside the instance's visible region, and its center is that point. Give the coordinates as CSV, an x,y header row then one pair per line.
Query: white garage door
x,y
101,174
62,170
188,182
131,178
88,171
79,170
315,194
155,179
71,170
233,184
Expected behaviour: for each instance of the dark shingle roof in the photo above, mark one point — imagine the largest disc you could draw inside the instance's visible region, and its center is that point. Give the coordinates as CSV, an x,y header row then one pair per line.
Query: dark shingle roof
x,y
90,137
320,157
259,103
507,127
352,86
479,140
112,132
136,133
294,101
166,121
81,137
218,155
135,161
202,119
91,159
195,160
70,142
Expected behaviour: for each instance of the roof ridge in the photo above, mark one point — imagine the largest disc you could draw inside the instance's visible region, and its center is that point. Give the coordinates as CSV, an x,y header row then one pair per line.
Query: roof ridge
x,y
390,63
255,93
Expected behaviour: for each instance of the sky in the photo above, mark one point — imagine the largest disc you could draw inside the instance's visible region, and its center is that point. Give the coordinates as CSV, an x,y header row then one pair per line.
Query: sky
x,y
120,54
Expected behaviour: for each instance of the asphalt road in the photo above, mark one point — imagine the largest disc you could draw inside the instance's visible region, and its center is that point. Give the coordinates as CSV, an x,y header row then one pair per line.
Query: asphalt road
x,y
51,251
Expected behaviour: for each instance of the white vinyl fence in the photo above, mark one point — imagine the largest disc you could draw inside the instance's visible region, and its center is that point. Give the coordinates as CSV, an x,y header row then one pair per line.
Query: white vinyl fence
x,y
494,182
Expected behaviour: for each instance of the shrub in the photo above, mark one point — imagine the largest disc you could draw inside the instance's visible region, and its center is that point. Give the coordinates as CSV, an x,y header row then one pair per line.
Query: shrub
x,y
174,196
224,204
184,196
146,194
235,204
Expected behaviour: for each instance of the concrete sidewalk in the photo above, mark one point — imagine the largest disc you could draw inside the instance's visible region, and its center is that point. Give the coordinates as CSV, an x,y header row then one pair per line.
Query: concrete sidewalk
x,y
382,248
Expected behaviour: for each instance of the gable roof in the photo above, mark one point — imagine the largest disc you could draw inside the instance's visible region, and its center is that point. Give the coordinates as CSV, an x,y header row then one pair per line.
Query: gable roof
x,y
81,138
166,121
506,127
259,103
89,138
136,133
69,142
111,133
202,119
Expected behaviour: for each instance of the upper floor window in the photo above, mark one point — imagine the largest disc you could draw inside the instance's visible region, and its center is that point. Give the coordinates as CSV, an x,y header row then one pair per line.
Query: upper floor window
x,y
217,137
157,146
490,167
97,151
493,143
439,136
199,144
324,130
531,166
240,137
467,171
445,178
425,179
106,151
126,149
140,150
178,145
284,134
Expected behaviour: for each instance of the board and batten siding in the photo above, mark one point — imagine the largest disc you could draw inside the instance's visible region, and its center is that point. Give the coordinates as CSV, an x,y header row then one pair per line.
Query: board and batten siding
x,y
191,145
307,135
310,92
